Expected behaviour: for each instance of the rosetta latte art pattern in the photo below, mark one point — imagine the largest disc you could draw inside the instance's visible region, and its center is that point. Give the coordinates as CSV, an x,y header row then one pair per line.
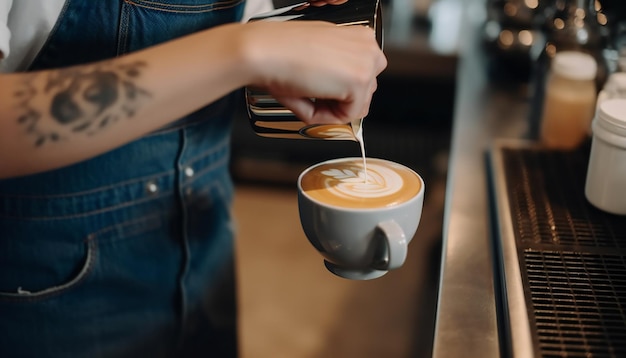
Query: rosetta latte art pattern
x,y
343,183
352,183
329,131
336,132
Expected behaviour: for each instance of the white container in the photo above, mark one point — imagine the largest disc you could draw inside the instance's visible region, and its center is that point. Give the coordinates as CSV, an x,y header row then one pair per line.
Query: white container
x,y
615,87
605,187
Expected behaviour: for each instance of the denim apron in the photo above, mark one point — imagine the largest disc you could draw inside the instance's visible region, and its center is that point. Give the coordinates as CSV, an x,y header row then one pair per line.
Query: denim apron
x,y
128,254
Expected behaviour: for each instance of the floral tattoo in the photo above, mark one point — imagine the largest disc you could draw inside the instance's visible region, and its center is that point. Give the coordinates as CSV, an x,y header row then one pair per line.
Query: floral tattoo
x,y
79,100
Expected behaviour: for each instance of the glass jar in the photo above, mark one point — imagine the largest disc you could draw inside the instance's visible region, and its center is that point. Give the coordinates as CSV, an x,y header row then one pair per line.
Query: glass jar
x,y
570,100
569,25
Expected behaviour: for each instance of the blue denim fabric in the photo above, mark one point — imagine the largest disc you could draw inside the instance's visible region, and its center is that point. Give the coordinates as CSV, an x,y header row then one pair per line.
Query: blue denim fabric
x,y
129,254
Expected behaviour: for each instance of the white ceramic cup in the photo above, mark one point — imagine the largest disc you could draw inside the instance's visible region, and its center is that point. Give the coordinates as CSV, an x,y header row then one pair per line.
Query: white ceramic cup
x,y
368,235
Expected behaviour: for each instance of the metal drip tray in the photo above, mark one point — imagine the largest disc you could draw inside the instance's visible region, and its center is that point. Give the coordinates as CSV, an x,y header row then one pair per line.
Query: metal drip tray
x,y
562,261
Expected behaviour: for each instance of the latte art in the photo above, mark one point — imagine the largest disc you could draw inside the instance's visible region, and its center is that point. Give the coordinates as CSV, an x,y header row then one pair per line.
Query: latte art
x,y
353,183
343,183
329,131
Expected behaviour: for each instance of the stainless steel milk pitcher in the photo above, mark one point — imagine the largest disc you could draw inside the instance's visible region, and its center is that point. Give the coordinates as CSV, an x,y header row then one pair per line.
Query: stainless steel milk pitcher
x,y
271,119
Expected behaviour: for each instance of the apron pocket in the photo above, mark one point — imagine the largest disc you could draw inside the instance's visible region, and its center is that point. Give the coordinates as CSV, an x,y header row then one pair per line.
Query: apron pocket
x,y
147,23
184,6
42,268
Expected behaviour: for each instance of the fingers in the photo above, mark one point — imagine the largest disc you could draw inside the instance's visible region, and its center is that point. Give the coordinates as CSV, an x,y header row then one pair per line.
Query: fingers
x,y
335,65
305,109
324,2
330,111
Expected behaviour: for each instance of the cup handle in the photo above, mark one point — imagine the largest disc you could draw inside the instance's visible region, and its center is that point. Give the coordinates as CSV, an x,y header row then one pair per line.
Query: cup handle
x,y
396,243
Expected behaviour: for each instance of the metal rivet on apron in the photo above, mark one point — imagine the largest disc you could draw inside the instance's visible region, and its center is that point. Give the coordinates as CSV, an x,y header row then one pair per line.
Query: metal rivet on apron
x,y
151,187
189,172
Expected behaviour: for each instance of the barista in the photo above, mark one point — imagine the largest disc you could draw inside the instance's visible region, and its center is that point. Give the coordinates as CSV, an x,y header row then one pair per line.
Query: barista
x,y
115,229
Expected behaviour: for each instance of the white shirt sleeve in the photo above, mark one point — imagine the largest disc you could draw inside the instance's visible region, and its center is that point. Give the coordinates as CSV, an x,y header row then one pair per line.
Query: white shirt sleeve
x,y
255,7
5,34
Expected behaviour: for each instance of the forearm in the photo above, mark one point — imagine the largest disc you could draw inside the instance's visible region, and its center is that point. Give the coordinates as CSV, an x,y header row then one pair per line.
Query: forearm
x,y
49,119
54,118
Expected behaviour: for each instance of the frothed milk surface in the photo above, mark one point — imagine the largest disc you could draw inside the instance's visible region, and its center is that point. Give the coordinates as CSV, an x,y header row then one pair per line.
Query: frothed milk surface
x,y
329,131
342,183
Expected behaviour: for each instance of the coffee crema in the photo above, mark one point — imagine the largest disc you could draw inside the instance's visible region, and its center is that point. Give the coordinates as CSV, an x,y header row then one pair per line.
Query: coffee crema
x,y
342,183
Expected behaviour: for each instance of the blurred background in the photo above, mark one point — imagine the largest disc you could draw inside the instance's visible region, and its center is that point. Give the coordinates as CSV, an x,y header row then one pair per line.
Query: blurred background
x,y
290,306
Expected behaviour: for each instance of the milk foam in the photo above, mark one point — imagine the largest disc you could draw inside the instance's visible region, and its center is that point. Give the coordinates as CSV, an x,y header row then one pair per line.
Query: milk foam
x,y
342,183
353,183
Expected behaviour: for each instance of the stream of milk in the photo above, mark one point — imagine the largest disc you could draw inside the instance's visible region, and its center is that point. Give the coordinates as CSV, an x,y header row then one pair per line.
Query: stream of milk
x,y
357,129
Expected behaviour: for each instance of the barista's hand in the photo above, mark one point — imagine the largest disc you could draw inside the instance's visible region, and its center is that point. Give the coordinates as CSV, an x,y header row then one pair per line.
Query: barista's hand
x,y
299,60
324,2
